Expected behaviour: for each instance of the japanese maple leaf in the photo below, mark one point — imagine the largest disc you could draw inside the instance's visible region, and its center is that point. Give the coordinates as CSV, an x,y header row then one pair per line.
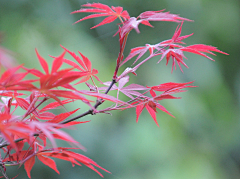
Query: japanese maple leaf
x,y
129,90
176,54
175,50
74,158
151,104
61,117
9,128
65,94
147,16
176,38
140,51
11,80
51,131
103,10
8,101
85,66
45,114
130,24
11,93
54,105
170,87
161,16
125,72
199,48
56,78
24,104
177,57
29,158
63,153
101,96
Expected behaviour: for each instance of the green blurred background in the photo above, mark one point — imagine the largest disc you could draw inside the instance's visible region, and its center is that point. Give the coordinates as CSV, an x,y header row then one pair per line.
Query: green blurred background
x,y
203,141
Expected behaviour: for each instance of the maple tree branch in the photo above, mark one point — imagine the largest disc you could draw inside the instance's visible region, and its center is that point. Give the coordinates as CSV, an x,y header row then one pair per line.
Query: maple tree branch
x,y
77,117
110,86
100,101
90,111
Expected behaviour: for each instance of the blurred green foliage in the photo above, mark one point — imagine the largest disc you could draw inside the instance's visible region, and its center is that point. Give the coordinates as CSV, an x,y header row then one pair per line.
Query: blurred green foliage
x,y
203,141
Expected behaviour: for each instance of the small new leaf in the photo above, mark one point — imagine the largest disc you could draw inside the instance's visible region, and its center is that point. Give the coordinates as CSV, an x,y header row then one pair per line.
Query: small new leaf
x,y
101,10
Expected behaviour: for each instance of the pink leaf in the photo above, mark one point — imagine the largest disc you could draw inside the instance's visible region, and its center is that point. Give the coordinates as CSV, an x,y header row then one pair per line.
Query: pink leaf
x,y
161,16
103,10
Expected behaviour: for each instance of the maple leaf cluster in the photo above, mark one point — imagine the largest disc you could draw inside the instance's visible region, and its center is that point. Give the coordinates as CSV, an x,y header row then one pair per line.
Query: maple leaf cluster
x,y
24,136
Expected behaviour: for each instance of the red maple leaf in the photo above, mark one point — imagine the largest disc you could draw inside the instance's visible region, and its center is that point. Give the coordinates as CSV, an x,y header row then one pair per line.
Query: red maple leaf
x,y
171,52
103,10
177,57
61,117
54,105
175,50
63,153
130,90
199,48
28,157
145,17
151,104
176,38
151,107
85,66
51,131
45,114
21,155
74,158
130,24
57,78
102,96
11,80
140,51
11,128
161,16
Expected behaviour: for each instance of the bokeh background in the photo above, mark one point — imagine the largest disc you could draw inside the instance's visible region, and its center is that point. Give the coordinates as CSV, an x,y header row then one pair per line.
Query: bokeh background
x,y
203,141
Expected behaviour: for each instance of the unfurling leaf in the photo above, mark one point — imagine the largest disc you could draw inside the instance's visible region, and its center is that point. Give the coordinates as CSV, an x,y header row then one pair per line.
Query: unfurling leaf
x,y
103,10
